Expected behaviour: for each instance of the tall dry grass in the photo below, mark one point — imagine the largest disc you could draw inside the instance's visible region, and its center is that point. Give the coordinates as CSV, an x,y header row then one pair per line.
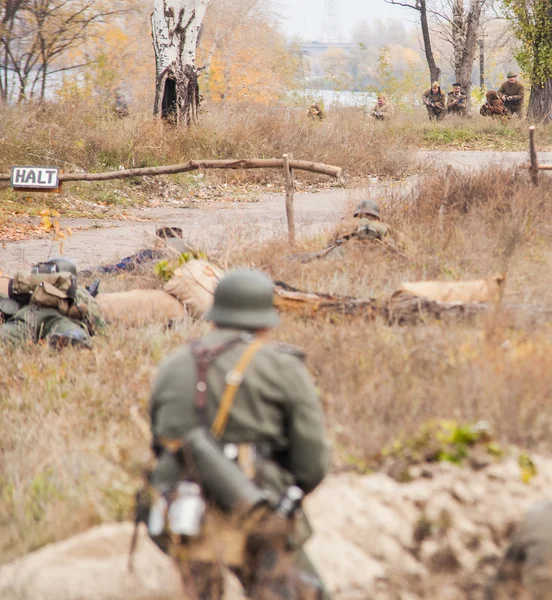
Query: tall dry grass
x,y
71,451
86,137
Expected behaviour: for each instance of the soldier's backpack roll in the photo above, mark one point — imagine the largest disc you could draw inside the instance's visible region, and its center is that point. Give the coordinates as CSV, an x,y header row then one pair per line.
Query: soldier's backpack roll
x,y
221,478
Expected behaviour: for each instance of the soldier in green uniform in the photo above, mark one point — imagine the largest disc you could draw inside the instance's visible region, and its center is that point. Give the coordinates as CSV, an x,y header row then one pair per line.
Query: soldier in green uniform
x,y
457,101
434,100
49,305
526,570
259,402
364,225
512,92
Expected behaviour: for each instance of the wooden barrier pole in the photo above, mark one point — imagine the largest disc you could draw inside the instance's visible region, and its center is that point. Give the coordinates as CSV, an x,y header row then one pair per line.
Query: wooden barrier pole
x,y
290,210
192,165
533,156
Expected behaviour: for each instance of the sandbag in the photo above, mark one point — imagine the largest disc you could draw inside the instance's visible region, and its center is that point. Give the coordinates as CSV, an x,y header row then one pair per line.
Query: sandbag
x,y
479,290
136,307
4,286
194,285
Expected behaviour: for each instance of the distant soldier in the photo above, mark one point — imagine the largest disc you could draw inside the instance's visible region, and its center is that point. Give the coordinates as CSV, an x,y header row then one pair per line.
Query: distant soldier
x,y
366,224
494,107
526,569
434,100
512,92
457,101
121,106
383,109
315,112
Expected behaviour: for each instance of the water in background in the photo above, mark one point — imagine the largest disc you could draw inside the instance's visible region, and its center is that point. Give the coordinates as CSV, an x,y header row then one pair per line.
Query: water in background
x,y
335,98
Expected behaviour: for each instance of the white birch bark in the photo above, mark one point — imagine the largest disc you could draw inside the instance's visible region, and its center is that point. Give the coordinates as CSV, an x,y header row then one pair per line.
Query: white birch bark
x,y
176,25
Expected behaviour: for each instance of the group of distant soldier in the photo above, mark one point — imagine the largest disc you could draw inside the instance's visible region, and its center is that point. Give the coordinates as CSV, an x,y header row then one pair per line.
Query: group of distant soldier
x,y
505,103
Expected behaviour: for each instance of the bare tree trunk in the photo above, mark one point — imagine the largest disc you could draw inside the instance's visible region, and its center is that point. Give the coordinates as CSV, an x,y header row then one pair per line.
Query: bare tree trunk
x,y
176,26
465,33
421,7
540,103
434,70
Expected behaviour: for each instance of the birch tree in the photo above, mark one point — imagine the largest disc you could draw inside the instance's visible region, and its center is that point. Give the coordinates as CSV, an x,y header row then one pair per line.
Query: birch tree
x,y
176,28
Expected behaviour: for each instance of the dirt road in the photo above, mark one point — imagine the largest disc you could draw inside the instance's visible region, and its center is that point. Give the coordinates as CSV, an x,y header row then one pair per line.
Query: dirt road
x,y
210,224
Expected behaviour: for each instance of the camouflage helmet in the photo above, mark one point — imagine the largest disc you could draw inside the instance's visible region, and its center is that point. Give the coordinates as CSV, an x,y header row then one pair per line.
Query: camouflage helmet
x,y
367,207
55,265
511,74
244,299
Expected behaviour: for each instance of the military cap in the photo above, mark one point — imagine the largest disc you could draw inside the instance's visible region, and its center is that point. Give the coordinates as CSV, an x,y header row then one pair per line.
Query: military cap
x,y
244,299
367,207
511,74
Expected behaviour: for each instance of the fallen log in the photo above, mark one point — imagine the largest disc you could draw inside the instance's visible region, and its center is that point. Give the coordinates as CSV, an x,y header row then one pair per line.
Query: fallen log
x,y
401,309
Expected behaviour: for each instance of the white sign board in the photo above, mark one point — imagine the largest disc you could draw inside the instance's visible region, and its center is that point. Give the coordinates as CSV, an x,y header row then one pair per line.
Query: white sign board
x,y
40,178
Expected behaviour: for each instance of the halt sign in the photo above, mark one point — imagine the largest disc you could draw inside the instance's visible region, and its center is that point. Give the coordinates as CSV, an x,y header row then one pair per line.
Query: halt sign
x,y
35,178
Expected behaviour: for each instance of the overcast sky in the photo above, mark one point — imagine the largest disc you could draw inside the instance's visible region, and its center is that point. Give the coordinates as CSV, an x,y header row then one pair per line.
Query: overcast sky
x,y
305,17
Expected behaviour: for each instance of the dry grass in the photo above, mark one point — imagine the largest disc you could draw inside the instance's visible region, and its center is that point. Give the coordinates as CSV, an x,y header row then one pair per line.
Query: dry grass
x,y
71,453
85,137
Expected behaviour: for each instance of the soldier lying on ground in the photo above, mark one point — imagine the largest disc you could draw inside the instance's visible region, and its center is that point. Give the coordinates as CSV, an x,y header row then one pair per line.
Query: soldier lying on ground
x,y
364,225
434,100
47,304
167,239
383,110
494,107
239,438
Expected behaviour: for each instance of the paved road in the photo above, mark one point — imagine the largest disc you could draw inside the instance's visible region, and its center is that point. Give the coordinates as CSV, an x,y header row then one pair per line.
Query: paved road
x,y
211,226
467,161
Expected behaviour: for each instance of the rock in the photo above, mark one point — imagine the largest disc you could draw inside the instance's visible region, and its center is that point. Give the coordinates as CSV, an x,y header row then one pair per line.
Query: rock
x,y
93,566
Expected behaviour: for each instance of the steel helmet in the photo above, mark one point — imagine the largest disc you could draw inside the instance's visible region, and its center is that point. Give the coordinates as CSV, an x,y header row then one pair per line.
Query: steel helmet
x,y
367,207
244,299
55,265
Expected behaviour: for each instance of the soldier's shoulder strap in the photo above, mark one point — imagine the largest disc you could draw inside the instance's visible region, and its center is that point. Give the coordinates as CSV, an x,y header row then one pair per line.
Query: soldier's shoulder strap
x,y
289,349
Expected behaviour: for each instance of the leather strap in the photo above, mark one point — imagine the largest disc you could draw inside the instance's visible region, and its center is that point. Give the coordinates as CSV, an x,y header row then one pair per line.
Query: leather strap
x,y
204,356
234,380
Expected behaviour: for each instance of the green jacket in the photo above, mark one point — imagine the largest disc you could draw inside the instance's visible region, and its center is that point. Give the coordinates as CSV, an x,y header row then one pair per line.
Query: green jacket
x,y
276,405
515,90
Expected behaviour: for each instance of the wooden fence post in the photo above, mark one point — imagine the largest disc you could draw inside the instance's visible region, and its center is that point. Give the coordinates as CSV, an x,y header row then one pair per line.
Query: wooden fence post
x,y
533,156
290,211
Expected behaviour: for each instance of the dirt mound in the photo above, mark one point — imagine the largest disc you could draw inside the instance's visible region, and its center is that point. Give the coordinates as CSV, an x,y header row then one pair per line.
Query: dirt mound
x,y
440,536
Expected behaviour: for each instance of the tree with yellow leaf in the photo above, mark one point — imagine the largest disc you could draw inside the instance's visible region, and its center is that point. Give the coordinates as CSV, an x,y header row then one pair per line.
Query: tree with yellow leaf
x,y
37,35
236,65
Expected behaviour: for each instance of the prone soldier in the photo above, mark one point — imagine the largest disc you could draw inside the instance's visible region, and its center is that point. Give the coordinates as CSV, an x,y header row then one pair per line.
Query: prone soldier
x,y
512,93
239,438
434,100
457,101
47,304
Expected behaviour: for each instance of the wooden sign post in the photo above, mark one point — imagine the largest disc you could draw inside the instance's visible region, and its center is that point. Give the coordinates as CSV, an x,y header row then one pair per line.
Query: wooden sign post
x,y
290,209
